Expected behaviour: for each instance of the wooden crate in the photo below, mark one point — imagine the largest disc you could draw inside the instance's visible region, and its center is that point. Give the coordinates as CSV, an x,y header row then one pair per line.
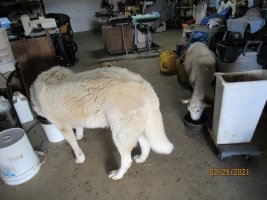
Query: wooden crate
x,y
113,38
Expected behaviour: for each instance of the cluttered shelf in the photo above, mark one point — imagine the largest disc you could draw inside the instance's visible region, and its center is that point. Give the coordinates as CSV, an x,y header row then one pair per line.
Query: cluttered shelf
x,y
132,25
11,8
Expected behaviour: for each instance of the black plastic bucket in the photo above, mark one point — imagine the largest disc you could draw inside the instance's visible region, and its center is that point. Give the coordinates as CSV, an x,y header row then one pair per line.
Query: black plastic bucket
x,y
229,50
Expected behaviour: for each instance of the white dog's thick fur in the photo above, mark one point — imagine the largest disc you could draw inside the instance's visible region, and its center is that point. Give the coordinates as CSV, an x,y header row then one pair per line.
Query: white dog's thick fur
x,y
200,67
105,97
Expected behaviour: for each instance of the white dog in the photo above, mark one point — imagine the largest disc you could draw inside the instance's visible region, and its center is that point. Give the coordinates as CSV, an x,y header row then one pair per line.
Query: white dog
x,y
105,97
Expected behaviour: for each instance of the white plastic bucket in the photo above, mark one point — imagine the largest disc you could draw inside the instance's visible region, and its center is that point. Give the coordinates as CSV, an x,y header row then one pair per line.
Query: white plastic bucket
x,y
22,107
18,162
52,133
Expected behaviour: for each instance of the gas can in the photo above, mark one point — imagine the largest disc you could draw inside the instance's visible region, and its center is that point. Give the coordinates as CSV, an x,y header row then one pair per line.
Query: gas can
x,y
168,62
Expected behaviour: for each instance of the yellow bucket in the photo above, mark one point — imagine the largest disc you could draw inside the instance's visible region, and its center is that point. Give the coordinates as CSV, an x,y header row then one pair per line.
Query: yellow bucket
x,y
181,73
168,62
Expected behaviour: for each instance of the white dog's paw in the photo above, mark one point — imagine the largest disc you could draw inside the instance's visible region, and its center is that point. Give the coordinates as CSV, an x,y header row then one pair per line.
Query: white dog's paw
x,y
115,175
80,158
139,158
79,137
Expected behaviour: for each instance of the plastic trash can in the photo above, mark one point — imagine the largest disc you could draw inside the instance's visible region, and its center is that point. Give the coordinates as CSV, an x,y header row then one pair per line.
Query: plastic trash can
x,y
239,100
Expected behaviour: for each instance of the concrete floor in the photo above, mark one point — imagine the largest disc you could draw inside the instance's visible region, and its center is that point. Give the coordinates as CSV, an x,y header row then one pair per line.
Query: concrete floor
x,y
182,175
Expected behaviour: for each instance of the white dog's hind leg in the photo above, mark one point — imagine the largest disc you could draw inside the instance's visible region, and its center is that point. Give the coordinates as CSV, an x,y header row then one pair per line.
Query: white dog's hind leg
x,y
70,137
79,133
126,162
145,149
125,140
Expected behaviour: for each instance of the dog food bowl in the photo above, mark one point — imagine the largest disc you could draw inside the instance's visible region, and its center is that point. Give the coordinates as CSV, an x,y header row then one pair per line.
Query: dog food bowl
x,y
195,125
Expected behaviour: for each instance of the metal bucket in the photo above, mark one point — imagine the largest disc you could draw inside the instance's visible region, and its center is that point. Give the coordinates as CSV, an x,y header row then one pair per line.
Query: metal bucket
x,y
18,161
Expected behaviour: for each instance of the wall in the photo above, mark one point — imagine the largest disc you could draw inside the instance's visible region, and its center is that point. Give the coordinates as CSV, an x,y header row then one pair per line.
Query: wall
x,y
81,12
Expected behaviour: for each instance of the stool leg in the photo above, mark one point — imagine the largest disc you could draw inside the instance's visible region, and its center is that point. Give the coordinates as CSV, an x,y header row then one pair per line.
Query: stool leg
x,y
123,40
21,81
135,34
148,38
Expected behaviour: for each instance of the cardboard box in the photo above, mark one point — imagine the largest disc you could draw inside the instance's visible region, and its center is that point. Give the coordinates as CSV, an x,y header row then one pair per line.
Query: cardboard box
x,y
113,38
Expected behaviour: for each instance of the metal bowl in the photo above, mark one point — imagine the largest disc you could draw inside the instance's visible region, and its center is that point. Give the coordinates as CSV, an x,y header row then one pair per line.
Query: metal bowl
x,y
195,125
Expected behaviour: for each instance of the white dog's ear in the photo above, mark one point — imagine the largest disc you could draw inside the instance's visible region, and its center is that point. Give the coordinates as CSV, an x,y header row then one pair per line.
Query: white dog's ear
x,y
185,101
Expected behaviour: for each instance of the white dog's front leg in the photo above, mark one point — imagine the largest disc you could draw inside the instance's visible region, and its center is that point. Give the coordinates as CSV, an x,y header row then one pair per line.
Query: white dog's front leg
x,y
70,138
126,162
79,133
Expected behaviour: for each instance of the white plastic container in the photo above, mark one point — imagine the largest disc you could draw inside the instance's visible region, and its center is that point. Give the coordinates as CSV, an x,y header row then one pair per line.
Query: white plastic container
x,y
52,133
25,19
239,101
5,110
18,162
22,107
7,62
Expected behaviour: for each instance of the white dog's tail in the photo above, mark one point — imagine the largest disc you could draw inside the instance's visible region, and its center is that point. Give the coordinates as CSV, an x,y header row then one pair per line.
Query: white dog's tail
x,y
155,134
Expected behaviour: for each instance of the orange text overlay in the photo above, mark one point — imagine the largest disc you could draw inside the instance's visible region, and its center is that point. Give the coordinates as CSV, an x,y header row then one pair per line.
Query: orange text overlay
x,y
229,172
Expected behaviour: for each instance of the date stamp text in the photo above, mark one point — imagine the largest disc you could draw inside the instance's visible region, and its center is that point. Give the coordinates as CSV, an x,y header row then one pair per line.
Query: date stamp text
x,y
229,172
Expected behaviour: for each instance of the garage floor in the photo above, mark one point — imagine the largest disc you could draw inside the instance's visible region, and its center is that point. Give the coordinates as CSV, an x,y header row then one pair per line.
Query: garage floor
x,y
185,174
